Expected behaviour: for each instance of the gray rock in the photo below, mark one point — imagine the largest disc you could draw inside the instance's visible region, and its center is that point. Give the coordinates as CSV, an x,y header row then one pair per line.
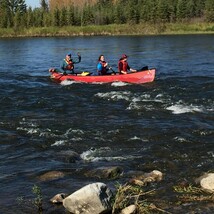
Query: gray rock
x,y
141,180
57,199
91,199
207,182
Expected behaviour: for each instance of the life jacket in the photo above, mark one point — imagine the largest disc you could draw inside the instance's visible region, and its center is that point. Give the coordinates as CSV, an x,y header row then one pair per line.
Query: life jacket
x,y
104,70
124,67
70,65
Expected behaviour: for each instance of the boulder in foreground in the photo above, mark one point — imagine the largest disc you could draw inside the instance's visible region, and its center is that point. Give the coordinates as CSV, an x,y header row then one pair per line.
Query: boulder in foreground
x,y
207,182
92,198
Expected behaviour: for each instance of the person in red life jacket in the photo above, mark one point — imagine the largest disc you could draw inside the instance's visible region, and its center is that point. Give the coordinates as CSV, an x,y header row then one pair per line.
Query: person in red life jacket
x,y
67,65
102,66
123,65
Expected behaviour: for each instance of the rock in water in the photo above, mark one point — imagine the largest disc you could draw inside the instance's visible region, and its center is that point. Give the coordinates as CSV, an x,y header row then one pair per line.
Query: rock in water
x,y
93,198
207,182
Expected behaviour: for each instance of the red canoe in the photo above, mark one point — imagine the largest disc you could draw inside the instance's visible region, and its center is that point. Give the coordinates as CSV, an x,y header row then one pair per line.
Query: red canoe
x,y
136,77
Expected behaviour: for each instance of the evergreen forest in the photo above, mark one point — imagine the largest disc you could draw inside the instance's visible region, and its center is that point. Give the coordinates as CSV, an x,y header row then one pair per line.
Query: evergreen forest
x,y
54,13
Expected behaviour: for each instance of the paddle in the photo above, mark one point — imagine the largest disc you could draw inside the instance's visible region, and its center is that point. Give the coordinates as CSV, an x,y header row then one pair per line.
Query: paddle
x,y
113,71
84,73
145,68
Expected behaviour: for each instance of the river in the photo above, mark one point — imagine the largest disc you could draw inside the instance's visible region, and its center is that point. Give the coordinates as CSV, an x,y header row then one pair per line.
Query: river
x,y
165,125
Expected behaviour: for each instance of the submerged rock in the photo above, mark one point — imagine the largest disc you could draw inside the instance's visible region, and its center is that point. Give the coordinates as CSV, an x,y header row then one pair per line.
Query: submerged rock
x,y
105,172
52,175
68,156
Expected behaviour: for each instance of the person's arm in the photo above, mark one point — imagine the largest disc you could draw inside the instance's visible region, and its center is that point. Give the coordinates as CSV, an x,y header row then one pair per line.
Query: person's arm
x,y
77,60
106,64
131,69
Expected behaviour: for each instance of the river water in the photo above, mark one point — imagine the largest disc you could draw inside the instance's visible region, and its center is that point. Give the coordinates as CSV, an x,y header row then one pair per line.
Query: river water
x,y
165,125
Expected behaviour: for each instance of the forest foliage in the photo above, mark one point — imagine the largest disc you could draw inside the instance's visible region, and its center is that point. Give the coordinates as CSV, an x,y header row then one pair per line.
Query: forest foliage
x,y
61,13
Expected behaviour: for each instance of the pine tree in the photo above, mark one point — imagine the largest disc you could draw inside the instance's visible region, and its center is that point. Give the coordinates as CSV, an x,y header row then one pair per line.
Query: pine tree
x,y
14,11
3,20
70,15
63,17
56,17
87,16
149,11
163,11
30,18
199,7
190,9
44,5
181,9
133,12
16,5
209,10
120,12
38,17
17,20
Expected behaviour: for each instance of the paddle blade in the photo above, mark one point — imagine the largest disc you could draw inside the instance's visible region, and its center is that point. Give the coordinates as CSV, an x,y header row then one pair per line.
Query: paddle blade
x,y
84,73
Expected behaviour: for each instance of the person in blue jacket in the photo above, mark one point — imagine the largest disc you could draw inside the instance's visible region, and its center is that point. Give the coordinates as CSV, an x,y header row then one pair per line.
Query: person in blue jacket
x,y
102,68
67,65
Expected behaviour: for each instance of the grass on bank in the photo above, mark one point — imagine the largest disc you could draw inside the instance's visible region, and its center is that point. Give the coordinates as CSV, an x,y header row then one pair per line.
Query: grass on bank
x,y
147,199
150,201
122,29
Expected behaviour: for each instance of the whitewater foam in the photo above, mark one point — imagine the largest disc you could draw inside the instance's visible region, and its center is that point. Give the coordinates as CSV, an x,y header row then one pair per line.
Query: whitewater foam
x,y
115,95
181,109
67,82
59,143
119,84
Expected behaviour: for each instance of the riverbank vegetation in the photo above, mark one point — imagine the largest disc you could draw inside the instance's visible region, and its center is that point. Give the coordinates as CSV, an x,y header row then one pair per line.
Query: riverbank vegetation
x,y
122,29
106,17
144,198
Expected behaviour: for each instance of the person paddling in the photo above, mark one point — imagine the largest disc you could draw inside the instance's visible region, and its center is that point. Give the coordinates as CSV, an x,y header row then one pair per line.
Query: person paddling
x,y
102,66
67,65
123,65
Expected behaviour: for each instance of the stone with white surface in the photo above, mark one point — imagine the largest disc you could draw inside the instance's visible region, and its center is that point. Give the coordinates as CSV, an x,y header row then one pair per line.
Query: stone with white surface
x,y
92,198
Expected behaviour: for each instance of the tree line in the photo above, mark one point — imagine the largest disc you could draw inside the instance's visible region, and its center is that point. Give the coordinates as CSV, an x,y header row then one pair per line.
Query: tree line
x,y
15,13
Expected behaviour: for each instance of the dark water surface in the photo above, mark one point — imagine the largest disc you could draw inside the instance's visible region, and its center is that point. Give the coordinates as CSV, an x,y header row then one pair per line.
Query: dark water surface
x,y
165,125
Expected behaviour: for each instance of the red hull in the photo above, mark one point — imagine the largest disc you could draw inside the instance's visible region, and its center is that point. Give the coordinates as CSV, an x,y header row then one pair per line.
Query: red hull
x,y
137,77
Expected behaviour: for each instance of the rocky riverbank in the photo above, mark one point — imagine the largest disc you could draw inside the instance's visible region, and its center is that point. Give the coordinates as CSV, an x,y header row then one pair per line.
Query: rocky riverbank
x,y
141,192
138,195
